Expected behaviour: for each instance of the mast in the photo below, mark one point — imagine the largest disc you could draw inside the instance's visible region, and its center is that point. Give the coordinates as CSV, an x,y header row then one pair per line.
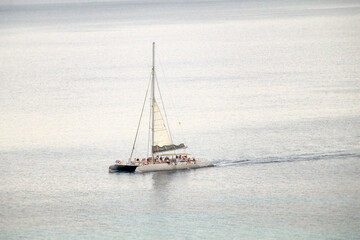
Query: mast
x,y
152,102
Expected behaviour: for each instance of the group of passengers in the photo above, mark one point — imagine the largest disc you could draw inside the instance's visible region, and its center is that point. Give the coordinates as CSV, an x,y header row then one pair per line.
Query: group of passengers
x,y
161,159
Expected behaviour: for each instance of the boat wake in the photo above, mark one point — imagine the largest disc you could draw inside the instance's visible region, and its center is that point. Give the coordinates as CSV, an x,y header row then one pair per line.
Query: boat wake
x,y
225,163
292,158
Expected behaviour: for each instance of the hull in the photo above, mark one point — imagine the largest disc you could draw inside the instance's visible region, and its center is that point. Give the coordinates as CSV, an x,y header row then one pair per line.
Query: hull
x,y
122,168
167,167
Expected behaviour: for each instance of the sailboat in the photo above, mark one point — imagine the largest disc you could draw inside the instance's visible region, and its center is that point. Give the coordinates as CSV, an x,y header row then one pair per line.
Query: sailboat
x,y
164,155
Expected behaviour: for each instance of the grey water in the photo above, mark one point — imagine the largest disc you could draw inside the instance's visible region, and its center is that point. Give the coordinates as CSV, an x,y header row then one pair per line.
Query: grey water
x,y
267,90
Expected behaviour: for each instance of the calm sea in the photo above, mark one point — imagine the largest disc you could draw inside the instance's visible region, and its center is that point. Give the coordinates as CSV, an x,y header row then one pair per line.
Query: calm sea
x,y
269,91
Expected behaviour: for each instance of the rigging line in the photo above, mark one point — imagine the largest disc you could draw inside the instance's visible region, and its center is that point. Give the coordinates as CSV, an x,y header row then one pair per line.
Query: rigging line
x,y
163,107
172,102
137,131
171,99
176,113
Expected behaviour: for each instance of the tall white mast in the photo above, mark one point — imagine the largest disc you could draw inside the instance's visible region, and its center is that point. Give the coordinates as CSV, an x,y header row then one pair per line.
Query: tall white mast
x,y
152,103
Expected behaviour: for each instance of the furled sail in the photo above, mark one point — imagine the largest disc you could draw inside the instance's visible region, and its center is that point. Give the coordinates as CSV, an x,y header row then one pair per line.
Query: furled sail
x,y
162,141
168,147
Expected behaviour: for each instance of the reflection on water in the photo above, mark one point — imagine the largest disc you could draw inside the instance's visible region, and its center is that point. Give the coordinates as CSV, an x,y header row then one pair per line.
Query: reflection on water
x,y
161,180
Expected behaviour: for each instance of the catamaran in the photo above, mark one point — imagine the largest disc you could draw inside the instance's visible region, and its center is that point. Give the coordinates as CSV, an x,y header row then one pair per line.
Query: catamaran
x,y
164,155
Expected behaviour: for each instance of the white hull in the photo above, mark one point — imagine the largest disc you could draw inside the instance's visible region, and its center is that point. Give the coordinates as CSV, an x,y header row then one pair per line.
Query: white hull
x,y
167,167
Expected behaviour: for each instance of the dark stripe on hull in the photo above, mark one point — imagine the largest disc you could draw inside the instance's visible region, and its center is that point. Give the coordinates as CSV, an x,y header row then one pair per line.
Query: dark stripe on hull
x,y
122,168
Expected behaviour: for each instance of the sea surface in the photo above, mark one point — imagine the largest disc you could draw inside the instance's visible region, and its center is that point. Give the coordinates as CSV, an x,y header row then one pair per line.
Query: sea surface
x,y
268,91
